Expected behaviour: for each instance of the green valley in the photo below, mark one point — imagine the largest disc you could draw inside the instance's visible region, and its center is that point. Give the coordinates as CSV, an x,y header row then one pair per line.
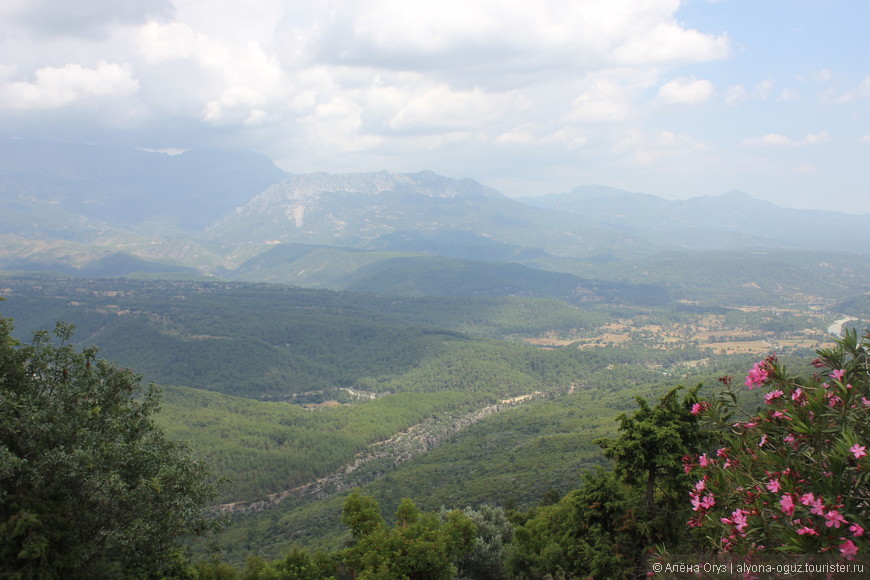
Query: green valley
x,y
296,396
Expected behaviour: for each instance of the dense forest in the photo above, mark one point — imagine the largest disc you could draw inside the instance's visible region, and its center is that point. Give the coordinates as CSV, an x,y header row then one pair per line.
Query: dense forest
x,y
510,437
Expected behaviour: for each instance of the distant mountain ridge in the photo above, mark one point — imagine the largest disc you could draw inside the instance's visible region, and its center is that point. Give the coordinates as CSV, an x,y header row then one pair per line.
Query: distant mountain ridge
x,y
287,206
732,220
78,209
362,209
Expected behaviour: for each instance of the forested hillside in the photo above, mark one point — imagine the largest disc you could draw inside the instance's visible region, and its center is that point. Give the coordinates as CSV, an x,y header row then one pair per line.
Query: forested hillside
x,y
297,396
683,477
271,341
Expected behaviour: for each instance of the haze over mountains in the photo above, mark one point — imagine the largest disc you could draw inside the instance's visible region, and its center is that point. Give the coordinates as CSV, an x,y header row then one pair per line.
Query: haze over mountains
x,y
94,210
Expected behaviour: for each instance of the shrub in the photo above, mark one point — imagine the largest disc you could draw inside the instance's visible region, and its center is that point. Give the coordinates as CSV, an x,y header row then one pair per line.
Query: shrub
x,y
791,477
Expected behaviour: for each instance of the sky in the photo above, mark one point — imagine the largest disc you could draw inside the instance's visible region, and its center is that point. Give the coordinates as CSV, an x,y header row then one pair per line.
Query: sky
x,y
674,98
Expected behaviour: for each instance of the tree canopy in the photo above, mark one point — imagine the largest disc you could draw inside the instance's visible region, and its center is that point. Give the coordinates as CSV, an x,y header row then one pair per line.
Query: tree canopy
x,y
89,485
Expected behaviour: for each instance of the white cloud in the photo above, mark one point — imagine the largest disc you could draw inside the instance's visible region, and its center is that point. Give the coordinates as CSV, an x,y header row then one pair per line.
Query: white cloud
x,y
439,108
814,138
229,83
668,144
774,139
167,150
823,75
788,94
7,71
58,87
604,101
736,94
764,88
249,81
399,68
683,91
861,92
739,93
781,140
561,87
159,42
669,42
87,19
524,134
456,38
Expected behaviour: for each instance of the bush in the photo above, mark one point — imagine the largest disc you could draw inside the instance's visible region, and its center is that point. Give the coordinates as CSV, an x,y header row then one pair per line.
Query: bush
x,y
793,476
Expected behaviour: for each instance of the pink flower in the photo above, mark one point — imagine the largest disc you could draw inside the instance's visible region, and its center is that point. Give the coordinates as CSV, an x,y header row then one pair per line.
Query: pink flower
x,y
687,464
817,507
786,503
789,438
858,451
848,549
738,520
856,530
758,375
773,486
772,396
799,396
807,531
763,440
835,519
703,461
702,503
808,498
837,375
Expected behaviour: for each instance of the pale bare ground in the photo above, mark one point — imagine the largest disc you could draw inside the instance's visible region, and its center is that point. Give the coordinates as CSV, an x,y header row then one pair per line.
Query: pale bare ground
x,y
707,331
740,347
551,341
402,446
708,335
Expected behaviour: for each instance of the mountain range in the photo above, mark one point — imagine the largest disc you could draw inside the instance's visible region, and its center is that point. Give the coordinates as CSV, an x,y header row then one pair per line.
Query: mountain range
x,y
101,211
732,220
